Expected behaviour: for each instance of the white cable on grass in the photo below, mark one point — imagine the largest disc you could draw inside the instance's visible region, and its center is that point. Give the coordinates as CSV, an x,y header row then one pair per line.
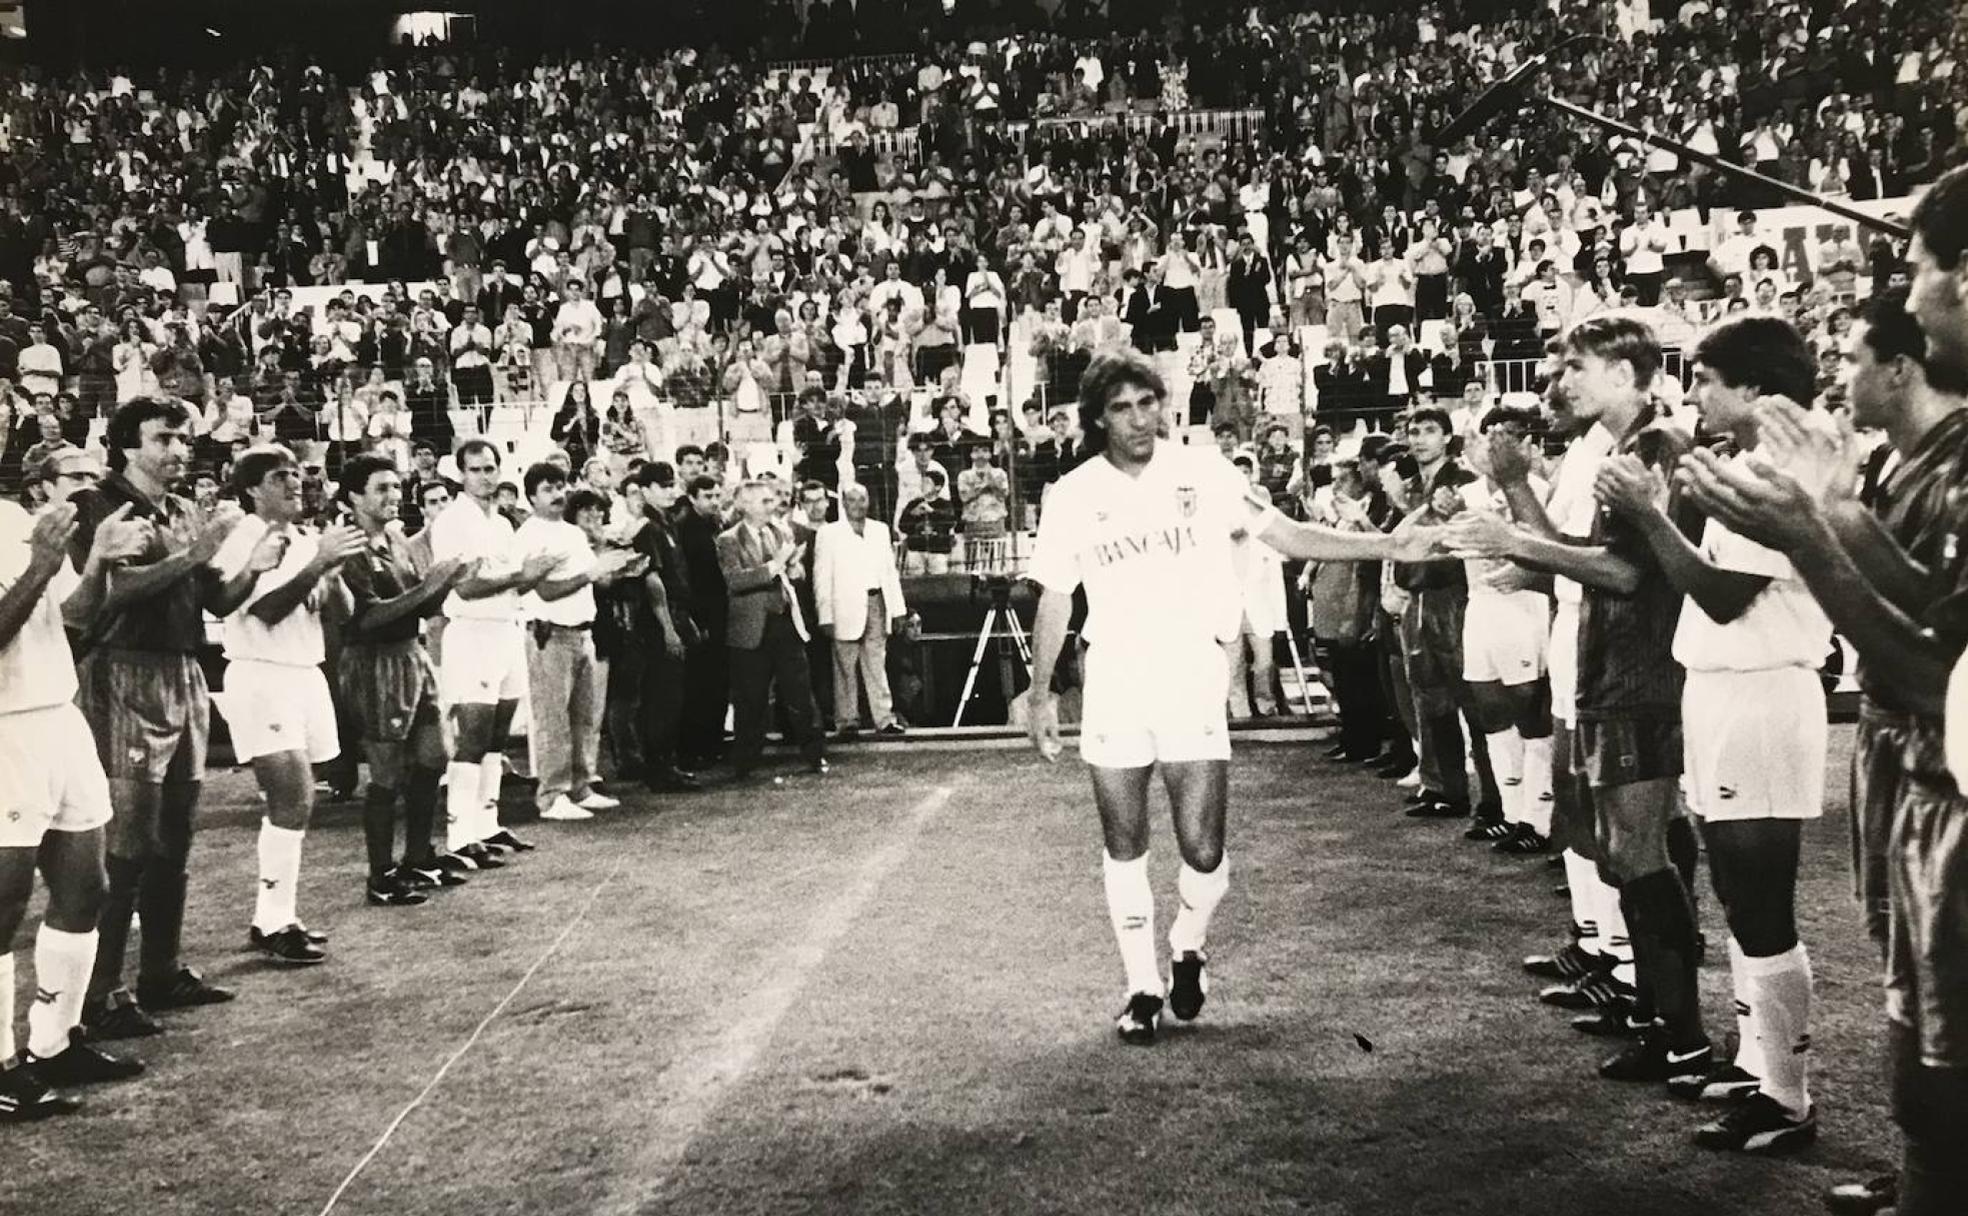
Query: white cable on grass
x,y
430,1086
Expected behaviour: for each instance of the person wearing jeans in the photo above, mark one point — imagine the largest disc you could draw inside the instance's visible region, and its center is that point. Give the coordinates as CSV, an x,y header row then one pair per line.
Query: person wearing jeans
x,y
562,682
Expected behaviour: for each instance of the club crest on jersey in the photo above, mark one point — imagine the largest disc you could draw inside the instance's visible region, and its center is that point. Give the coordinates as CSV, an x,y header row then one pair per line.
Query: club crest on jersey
x,y
1185,501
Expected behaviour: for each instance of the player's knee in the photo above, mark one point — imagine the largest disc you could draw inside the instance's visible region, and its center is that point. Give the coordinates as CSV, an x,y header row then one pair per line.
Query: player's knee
x,y
75,902
1202,856
386,765
1762,925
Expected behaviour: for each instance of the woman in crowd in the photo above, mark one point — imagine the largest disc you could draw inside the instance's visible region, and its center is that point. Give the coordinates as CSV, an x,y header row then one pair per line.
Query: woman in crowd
x,y
576,427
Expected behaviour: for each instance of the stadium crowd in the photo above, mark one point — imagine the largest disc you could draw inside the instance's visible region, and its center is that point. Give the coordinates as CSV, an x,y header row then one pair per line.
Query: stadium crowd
x,y
893,271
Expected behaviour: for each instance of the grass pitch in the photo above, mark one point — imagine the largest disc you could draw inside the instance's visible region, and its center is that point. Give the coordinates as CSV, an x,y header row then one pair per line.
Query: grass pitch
x,y
891,991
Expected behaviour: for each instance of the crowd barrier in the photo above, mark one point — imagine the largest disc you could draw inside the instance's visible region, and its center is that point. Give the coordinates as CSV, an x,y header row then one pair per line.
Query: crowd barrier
x,y
839,63
1203,126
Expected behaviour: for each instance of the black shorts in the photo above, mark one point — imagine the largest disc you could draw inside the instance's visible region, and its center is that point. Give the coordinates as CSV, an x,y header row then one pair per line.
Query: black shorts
x,y
151,713
1574,825
1626,751
1878,783
387,689
1927,872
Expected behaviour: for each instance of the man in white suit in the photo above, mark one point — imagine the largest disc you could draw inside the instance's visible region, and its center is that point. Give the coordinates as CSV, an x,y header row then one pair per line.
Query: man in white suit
x,y
858,593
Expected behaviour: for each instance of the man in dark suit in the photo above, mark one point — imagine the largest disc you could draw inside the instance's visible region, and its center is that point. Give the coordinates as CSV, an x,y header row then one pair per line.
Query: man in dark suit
x,y
764,632
1059,452
1337,384
498,292
1249,288
1390,379
1479,269
706,675
1149,314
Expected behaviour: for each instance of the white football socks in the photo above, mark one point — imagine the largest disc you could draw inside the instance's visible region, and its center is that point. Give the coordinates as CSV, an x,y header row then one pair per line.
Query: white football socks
x,y
1536,797
1582,877
1780,1010
1131,908
1506,748
462,807
1612,929
62,963
491,774
1749,1049
1200,894
280,873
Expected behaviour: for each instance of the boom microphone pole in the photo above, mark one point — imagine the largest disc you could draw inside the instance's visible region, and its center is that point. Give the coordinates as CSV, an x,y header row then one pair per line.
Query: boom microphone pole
x,y
1511,93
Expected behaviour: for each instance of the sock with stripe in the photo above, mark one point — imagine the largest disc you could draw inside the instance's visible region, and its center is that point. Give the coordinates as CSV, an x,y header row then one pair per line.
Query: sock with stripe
x,y
61,980
1131,908
1661,922
6,1008
1613,934
1780,1010
1200,893
1749,1050
491,776
461,804
1535,796
1506,750
1582,876
280,872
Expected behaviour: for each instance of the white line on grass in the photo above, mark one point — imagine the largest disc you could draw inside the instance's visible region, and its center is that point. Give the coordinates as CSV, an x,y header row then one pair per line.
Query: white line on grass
x,y
698,1084
580,915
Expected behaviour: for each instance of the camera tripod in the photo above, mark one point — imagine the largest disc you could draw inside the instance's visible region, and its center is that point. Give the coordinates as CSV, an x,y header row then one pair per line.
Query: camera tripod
x,y
1002,628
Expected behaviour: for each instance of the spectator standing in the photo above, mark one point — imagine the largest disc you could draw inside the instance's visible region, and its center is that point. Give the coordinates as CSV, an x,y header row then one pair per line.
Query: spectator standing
x,y
859,602
1249,289
559,612
576,329
472,350
766,637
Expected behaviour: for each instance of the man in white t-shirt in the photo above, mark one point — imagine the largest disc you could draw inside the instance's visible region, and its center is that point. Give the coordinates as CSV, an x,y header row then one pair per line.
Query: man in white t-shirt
x,y
276,700
576,329
482,663
1753,710
1149,529
54,803
561,671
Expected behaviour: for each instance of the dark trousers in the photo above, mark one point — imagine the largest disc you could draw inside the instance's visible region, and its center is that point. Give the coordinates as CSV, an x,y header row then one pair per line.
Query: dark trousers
x,y
474,384
1394,690
820,665
621,716
777,662
662,680
706,695
1355,670
1388,315
1252,318
1433,638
